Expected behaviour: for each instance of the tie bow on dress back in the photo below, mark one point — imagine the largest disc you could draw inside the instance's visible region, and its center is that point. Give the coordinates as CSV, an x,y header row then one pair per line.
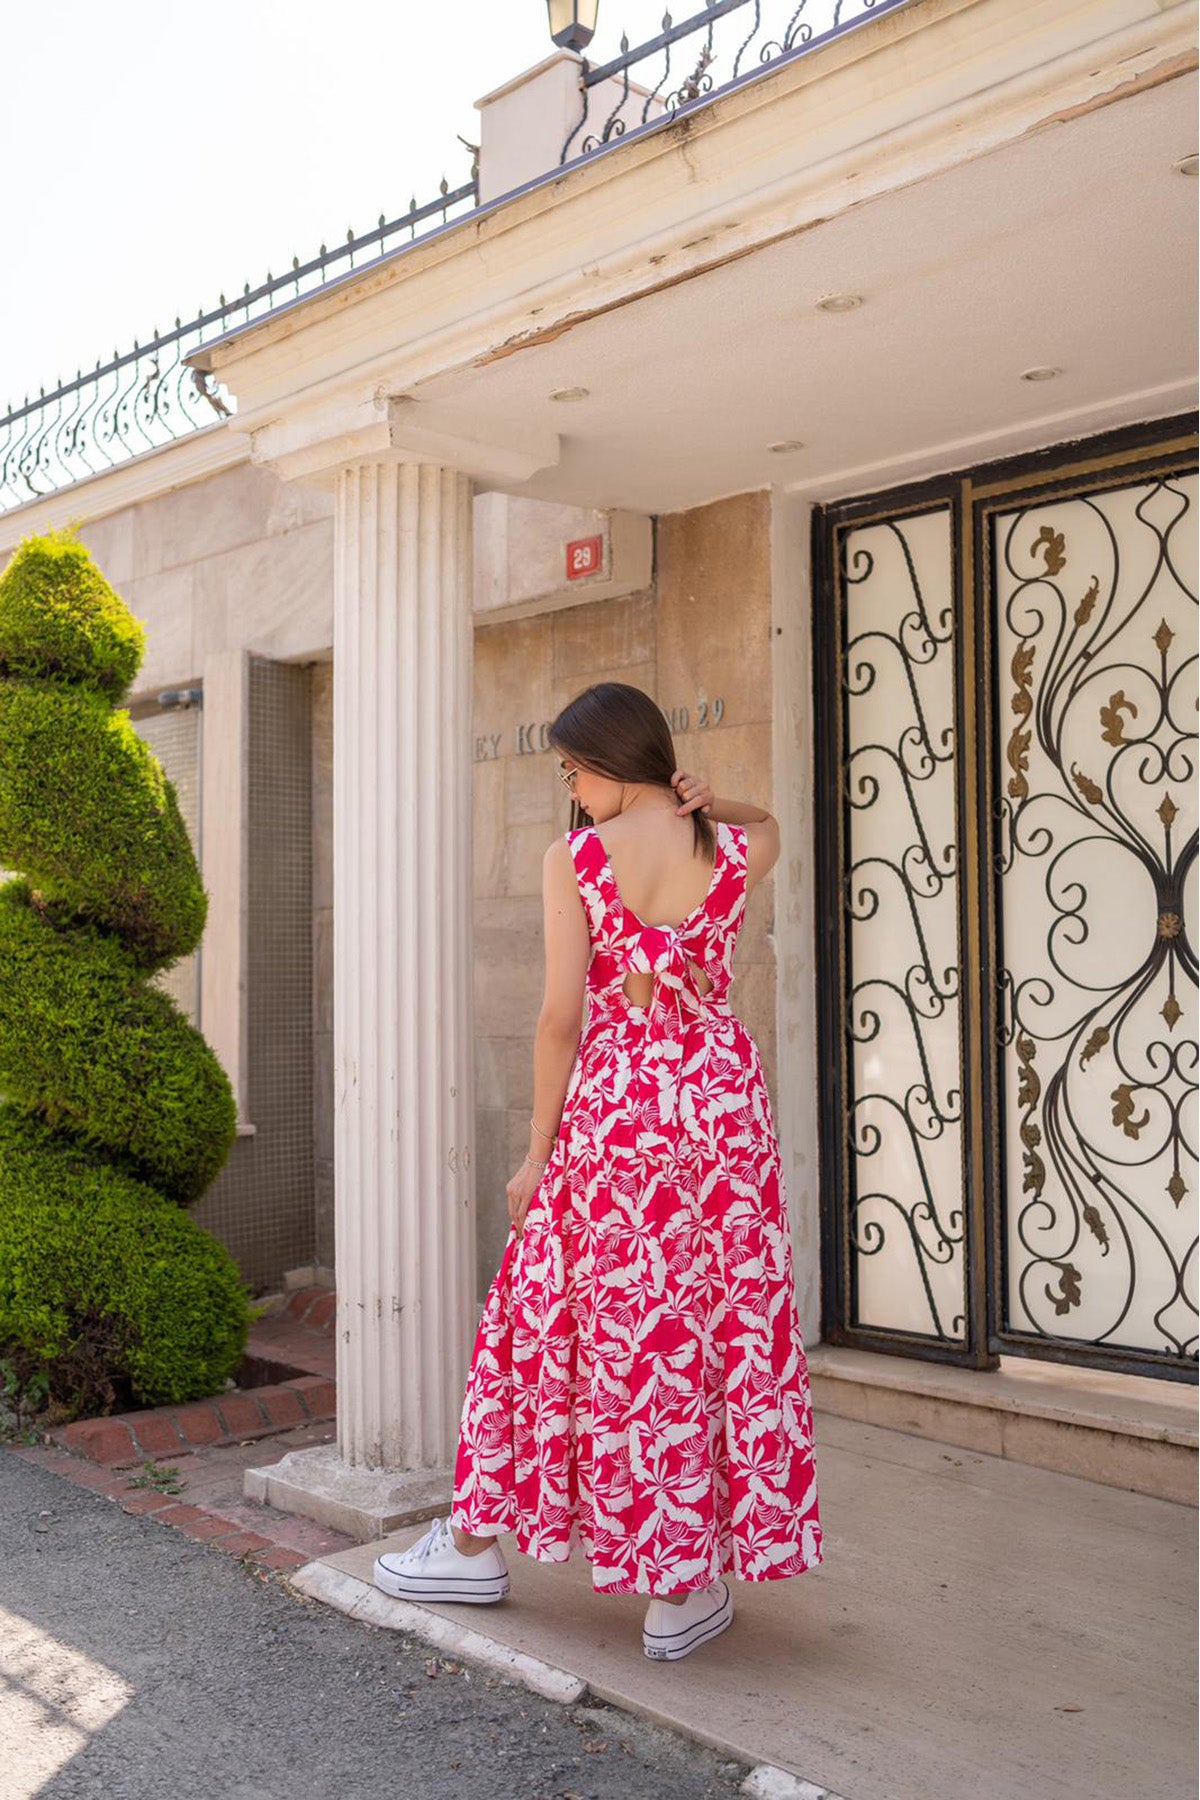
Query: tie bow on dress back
x,y
624,944
674,1033
660,951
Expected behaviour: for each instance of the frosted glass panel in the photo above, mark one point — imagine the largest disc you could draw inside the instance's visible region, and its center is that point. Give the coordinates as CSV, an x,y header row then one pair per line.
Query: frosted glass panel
x,y
901,897
1096,662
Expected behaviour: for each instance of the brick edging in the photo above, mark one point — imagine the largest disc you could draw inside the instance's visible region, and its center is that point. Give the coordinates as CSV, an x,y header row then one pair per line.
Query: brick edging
x,y
232,1418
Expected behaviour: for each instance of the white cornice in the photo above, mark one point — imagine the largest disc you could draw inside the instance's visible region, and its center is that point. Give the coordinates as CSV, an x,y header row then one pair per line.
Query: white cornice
x,y
312,442
144,477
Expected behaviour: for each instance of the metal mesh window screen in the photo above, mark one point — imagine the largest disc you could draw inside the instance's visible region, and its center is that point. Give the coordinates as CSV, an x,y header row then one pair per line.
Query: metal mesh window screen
x,y
262,1203
174,737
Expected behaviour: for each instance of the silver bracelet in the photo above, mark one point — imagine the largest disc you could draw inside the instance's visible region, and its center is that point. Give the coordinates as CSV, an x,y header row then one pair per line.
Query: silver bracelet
x,y
534,1163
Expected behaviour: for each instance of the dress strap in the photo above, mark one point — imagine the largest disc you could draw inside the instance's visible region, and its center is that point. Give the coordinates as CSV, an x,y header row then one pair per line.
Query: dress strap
x,y
597,889
729,890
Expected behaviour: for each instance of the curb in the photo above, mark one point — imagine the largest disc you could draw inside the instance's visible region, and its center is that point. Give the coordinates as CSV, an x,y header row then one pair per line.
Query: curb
x,y
204,1525
766,1782
361,1600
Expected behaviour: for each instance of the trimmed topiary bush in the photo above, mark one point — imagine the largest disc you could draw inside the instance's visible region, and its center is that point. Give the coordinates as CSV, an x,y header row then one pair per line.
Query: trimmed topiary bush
x,y
87,1045
115,1111
110,1291
85,808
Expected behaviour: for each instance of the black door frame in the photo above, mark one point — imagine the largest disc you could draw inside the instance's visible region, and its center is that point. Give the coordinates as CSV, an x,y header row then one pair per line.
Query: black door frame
x,y
972,497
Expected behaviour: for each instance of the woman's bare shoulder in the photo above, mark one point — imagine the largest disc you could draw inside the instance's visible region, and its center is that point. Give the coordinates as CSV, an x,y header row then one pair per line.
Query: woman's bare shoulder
x,y
559,880
558,854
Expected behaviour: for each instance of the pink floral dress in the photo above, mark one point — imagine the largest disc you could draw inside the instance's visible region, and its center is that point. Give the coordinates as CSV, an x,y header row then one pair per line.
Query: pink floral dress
x,y
638,1380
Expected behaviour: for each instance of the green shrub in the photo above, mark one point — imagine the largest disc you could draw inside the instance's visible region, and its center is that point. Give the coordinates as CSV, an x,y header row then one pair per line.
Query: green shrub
x,y
114,1110
112,1292
87,813
60,620
93,1050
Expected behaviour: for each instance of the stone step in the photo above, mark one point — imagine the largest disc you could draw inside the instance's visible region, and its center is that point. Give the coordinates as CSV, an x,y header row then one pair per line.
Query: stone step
x,y
281,1345
1128,1431
315,1308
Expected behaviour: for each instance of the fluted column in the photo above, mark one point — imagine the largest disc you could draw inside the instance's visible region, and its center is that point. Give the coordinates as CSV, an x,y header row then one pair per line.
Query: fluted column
x,y
402,1019
404,1098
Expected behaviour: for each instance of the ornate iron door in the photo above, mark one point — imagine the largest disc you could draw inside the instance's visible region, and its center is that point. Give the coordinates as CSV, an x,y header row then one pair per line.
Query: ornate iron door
x,y
1007,701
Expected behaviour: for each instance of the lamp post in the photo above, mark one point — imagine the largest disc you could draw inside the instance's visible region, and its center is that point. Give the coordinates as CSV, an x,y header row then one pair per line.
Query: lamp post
x,y
573,22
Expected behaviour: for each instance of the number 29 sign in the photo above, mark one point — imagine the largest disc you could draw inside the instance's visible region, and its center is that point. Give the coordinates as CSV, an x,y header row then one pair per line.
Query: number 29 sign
x,y
584,556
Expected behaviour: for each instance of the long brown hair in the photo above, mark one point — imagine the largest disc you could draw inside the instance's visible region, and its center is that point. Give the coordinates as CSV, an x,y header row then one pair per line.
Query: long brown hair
x,y
619,731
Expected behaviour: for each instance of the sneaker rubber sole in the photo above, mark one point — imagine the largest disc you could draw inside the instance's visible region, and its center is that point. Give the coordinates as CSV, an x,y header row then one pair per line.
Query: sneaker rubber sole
x,y
475,1590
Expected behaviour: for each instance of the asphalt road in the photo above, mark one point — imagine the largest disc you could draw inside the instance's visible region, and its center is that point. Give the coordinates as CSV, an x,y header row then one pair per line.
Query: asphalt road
x,y
136,1663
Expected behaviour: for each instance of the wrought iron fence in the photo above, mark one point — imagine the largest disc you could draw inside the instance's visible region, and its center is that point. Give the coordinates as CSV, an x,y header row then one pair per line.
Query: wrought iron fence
x,y
726,42
147,396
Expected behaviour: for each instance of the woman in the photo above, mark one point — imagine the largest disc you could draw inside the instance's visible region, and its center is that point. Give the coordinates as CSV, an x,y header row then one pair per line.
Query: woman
x,y
639,1381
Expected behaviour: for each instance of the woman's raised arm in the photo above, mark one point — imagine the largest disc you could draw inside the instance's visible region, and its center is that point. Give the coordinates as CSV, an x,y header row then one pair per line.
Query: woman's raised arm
x,y
762,827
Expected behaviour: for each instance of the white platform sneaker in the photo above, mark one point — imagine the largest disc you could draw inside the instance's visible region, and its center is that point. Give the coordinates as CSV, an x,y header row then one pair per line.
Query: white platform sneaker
x,y
435,1569
674,1631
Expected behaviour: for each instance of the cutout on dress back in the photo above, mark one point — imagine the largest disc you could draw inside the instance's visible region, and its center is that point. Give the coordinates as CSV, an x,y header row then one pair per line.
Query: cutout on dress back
x,y
643,993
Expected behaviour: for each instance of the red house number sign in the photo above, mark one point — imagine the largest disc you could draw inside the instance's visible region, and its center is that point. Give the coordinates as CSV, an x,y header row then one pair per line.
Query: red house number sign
x,y
583,557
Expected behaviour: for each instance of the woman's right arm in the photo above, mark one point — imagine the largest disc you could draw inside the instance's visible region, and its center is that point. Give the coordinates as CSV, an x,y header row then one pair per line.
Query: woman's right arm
x,y
738,812
761,826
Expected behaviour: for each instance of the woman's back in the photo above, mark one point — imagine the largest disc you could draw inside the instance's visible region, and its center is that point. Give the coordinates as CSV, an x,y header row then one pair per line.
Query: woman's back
x,y
661,875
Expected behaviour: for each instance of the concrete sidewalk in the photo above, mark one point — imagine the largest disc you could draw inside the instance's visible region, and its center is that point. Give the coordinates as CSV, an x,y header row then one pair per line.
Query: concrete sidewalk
x,y
978,1626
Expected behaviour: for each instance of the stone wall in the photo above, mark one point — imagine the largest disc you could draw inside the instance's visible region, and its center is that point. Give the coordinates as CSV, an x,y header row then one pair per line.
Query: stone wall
x,y
714,641
238,561
699,642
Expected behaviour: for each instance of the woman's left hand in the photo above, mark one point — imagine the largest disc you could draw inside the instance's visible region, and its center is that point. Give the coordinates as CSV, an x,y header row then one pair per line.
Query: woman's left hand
x,y
520,1191
691,792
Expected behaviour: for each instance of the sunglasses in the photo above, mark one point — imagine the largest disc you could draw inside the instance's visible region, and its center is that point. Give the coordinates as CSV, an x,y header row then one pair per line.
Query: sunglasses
x,y
567,777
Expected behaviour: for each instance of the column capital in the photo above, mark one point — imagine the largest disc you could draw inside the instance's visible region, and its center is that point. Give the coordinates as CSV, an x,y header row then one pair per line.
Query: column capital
x,y
314,440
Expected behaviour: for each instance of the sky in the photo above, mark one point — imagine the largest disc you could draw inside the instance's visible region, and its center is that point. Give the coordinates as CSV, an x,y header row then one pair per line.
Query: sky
x,y
156,156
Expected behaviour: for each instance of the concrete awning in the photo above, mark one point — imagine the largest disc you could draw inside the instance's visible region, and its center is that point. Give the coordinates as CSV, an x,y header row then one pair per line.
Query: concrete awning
x,y
998,182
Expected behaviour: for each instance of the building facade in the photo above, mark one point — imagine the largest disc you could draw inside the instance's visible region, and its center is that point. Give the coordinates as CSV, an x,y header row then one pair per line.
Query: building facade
x,y
866,385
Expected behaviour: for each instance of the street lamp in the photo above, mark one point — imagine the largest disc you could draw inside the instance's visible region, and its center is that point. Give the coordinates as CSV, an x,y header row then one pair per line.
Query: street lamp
x,y
573,22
